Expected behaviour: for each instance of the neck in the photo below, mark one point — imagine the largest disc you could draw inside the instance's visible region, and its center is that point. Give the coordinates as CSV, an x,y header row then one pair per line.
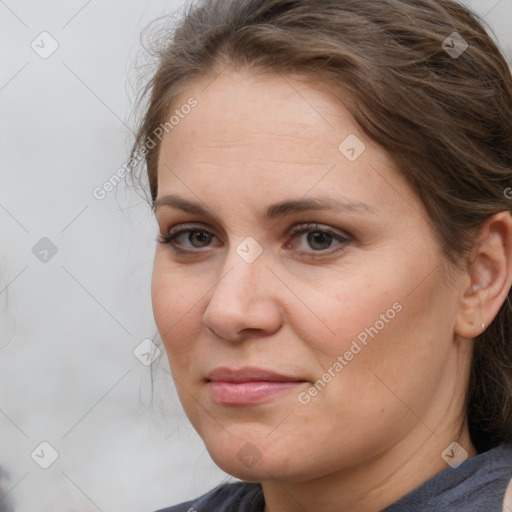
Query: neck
x,y
374,485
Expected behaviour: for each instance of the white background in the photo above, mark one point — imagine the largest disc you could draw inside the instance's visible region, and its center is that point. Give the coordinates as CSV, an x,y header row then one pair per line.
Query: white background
x,y
68,326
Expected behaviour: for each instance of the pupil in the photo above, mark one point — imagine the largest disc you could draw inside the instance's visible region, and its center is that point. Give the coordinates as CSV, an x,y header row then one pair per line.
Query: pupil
x,y
318,238
200,236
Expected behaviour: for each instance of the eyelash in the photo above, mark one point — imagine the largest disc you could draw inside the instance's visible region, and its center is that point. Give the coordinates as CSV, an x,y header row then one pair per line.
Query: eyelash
x,y
296,230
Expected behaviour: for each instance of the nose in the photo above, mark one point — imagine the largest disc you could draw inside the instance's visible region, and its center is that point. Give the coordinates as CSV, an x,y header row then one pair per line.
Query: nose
x,y
244,301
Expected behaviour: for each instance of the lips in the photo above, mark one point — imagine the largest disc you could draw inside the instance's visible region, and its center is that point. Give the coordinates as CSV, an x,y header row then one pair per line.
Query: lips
x,y
249,374
249,385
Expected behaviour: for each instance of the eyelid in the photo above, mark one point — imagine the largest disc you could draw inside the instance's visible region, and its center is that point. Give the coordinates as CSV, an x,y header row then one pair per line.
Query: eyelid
x,y
315,226
298,228
190,226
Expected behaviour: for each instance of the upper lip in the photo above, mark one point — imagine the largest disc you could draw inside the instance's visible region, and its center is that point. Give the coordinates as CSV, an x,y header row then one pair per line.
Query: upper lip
x,y
248,374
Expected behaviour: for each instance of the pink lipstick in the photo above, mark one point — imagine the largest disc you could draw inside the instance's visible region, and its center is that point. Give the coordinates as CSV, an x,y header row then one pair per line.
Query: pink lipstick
x,y
248,385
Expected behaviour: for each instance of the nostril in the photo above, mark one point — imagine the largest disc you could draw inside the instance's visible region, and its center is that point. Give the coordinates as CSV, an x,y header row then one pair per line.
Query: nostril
x,y
213,331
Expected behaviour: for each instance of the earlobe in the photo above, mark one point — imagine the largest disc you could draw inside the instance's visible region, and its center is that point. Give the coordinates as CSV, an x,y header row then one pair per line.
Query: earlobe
x,y
489,277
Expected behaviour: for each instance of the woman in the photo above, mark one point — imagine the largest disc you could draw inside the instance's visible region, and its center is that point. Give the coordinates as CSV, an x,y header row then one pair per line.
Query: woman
x,y
332,285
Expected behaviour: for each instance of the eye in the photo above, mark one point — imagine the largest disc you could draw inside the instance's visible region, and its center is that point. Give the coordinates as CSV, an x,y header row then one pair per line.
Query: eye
x,y
318,238
185,239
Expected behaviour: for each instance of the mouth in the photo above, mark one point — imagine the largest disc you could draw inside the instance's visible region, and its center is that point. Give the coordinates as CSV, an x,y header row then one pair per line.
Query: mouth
x,y
249,385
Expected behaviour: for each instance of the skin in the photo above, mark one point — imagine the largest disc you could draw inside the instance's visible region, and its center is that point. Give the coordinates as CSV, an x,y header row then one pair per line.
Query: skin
x,y
378,428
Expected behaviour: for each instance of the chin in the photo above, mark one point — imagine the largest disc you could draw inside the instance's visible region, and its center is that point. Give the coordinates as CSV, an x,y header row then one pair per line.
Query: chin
x,y
257,460
238,470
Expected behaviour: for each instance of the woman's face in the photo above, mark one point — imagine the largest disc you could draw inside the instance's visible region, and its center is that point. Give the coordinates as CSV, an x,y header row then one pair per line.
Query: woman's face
x,y
352,311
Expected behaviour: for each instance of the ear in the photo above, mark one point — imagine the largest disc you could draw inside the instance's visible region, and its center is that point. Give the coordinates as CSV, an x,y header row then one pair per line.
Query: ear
x,y
489,276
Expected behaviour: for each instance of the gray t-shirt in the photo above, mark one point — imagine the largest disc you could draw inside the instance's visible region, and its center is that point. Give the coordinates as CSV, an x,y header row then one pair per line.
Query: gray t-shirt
x,y
477,485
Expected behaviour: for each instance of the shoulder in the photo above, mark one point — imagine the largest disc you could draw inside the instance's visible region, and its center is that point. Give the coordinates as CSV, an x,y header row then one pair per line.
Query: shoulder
x,y
478,484
233,497
182,507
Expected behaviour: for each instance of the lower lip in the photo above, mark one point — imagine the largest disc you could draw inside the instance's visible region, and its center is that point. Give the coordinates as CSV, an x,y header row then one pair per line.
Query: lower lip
x,y
247,393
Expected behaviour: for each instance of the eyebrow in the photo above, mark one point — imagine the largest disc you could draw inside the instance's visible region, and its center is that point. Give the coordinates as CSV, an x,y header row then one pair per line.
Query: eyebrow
x,y
273,211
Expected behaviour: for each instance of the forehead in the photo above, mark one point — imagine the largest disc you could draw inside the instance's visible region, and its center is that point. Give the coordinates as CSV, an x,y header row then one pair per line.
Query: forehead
x,y
254,133
247,110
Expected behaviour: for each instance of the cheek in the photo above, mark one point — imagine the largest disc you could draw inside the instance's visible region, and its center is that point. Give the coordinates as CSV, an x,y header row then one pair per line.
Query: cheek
x,y
395,323
163,299
174,308
349,308
394,341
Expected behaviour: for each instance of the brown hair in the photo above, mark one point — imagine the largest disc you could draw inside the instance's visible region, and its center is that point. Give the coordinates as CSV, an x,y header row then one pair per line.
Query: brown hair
x,y
444,118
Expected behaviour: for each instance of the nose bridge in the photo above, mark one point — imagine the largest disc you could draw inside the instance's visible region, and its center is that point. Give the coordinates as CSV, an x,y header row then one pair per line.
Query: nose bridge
x,y
242,296
242,273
